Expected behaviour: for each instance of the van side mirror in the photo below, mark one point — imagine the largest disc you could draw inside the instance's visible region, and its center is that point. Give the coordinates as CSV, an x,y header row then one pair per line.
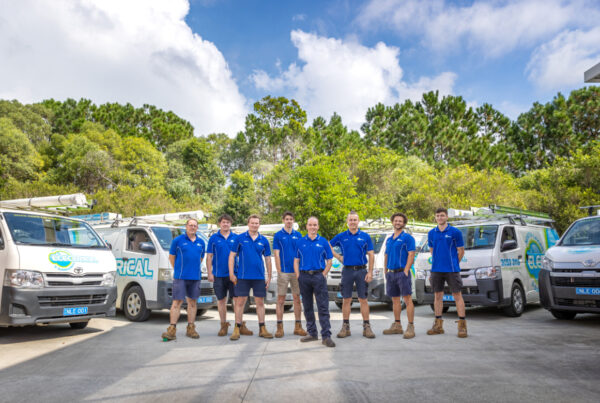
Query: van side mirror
x,y
147,247
108,244
509,244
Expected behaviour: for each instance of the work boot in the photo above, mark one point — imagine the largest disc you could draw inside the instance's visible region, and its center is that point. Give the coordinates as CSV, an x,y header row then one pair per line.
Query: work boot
x,y
279,332
235,335
396,328
170,333
264,333
410,331
191,331
367,332
224,329
437,327
328,342
462,328
345,332
244,331
308,338
298,331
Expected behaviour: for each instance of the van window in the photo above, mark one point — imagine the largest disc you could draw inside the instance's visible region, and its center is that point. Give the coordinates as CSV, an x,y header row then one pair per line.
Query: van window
x,y
134,238
508,234
165,235
1,240
479,237
584,232
377,241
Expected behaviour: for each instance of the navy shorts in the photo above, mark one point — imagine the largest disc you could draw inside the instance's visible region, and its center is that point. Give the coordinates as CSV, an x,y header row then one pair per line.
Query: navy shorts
x,y
397,284
351,277
259,288
186,288
222,286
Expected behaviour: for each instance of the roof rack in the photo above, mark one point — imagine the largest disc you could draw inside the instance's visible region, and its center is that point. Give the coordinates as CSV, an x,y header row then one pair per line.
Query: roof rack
x,y
590,209
115,219
264,228
59,203
494,212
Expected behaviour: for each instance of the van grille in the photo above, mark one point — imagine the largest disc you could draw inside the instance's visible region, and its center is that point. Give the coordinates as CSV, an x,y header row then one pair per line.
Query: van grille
x,y
207,291
72,300
71,280
575,281
588,303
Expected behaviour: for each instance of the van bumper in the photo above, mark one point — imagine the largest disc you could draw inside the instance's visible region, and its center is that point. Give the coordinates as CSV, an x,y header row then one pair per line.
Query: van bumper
x,y
487,292
375,292
164,295
558,291
21,307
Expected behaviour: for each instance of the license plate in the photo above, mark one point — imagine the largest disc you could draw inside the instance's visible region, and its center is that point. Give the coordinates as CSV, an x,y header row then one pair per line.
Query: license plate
x,y
339,295
204,300
587,291
82,310
448,298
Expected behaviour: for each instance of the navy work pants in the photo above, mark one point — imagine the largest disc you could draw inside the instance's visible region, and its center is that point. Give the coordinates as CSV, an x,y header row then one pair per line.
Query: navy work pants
x,y
315,284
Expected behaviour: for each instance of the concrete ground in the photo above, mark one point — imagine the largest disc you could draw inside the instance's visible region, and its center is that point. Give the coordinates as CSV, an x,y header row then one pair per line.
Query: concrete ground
x,y
532,358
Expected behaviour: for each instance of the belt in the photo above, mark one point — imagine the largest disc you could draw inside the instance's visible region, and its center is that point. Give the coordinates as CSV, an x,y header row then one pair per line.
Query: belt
x,y
364,266
395,270
312,271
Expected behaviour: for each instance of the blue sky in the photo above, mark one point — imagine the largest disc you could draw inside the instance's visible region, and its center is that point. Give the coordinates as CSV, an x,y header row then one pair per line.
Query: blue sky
x,y
210,60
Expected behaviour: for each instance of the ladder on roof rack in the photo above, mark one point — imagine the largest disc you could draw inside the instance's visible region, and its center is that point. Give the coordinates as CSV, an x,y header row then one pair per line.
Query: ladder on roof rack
x,y
116,219
76,201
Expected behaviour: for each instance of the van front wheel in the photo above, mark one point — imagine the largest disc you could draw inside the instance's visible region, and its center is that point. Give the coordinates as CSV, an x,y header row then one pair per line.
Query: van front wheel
x,y
517,301
134,305
563,315
79,325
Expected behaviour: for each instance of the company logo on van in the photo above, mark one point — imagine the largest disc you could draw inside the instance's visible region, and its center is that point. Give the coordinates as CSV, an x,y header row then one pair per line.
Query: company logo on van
x,y
61,259
533,256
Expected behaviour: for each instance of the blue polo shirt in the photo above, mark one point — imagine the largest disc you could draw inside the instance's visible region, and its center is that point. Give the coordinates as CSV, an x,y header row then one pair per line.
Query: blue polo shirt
x,y
220,247
251,252
445,246
313,253
285,243
188,257
397,250
354,247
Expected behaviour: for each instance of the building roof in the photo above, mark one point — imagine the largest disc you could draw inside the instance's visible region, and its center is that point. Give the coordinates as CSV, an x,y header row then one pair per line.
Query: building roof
x,y
592,75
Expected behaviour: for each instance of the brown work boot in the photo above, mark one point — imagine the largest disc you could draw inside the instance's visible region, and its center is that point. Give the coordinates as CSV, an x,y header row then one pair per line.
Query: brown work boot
x,y
328,342
396,328
235,335
298,331
224,329
191,331
279,332
170,333
462,328
264,333
410,331
308,338
437,327
244,331
345,332
367,332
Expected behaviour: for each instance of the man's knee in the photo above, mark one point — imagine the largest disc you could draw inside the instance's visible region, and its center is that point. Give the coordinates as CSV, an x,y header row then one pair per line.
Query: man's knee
x,y
191,303
259,301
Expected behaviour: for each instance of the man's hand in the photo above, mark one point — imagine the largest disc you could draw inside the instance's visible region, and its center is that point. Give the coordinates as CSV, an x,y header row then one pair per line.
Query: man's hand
x,y
211,277
406,271
369,277
268,281
233,279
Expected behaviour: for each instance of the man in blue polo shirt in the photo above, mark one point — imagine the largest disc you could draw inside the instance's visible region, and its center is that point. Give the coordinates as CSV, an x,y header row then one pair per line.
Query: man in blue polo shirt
x,y
355,245
284,248
185,256
447,249
399,257
311,265
251,248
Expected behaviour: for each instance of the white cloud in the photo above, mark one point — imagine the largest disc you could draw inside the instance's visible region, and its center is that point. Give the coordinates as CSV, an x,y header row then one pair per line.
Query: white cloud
x,y
117,51
563,60
493,28
347,77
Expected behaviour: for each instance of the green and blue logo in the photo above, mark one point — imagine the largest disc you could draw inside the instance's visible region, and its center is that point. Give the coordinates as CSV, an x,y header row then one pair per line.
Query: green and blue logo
x,y
61,259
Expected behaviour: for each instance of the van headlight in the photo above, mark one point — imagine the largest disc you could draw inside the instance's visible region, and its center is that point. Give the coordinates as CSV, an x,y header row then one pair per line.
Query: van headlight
x,y
421,275
487,273
547,264
165,274
23,279
108,279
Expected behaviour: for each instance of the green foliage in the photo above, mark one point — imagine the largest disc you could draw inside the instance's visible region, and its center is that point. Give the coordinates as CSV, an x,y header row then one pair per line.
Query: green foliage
x,y
240,198
18,157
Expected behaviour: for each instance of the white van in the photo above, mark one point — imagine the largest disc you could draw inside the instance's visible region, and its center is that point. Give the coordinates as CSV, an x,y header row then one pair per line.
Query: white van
x,y
144,274
502,261
54,269
570,275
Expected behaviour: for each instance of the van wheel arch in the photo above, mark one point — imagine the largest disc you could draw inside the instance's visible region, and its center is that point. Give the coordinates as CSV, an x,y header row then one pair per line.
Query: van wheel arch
x,y
144,312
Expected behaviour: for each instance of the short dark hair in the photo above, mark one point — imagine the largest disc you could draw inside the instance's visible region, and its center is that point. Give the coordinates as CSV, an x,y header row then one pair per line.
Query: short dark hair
x,y
399,215
226,217
251,216
287,213
441,210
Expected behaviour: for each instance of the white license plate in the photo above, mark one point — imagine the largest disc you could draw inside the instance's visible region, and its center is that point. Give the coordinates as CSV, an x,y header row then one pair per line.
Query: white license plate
x,y
204,300
587,291
448,298
81,310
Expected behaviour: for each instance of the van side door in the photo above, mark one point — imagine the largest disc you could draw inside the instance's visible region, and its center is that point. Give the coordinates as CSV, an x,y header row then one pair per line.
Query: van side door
x,y
140,261
511,259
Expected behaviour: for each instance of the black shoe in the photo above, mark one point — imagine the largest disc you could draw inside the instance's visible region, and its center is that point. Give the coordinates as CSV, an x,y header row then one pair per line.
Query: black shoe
x,y
309,338
328,342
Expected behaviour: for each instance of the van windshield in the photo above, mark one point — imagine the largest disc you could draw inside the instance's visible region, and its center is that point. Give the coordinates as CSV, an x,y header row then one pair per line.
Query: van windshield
x,y
479,237
584,232
31,229
165,235
377,241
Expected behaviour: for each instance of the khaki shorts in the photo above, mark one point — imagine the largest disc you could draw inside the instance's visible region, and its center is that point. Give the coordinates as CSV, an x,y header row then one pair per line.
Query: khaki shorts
x,y
283,279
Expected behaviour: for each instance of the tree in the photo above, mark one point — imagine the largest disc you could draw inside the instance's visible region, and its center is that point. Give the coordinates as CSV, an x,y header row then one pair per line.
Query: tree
x,y
18,157
240,200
